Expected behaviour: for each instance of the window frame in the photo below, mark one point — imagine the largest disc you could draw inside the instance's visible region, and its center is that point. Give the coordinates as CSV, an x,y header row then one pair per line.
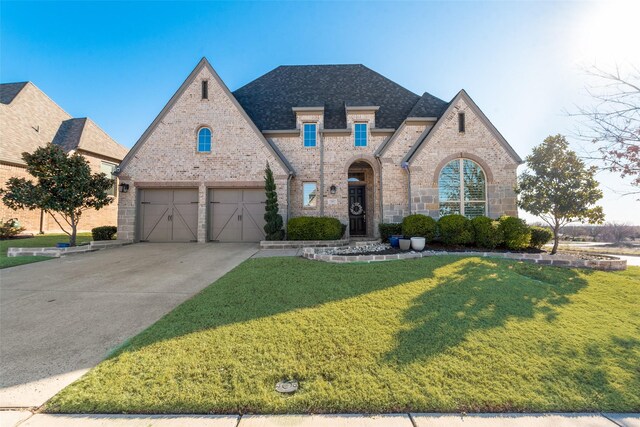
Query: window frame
x,y
355,134
461,189
315,200
304,134
462,125
200,129
113,190
204,90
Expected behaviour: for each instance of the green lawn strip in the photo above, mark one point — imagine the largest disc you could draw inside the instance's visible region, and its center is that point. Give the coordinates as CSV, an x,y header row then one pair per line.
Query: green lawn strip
x,y
437,334
44,240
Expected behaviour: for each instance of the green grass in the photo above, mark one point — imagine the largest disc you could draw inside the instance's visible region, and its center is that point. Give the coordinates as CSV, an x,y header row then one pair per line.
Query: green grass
x,y
44,240
435,334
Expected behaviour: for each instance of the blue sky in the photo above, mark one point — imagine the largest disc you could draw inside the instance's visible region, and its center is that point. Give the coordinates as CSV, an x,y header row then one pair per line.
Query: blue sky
x,y
522,62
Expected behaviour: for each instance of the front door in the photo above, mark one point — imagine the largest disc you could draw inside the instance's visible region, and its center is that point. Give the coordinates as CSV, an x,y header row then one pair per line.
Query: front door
x,y
357,210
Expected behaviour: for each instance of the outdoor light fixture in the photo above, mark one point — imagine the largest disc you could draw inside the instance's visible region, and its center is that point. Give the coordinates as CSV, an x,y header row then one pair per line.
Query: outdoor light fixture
x,y
124,187
333,189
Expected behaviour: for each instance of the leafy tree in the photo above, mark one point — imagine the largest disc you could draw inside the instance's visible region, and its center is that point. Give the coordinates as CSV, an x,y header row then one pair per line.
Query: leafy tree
x,y
64,186
558,187
273,227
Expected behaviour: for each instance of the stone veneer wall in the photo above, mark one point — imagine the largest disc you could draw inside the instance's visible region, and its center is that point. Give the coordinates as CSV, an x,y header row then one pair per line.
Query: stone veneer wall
x,y
169,158
477,143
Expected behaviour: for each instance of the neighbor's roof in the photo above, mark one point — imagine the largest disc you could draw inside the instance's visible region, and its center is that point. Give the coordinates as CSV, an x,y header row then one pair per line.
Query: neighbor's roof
x,y
84,134
8,91
269,99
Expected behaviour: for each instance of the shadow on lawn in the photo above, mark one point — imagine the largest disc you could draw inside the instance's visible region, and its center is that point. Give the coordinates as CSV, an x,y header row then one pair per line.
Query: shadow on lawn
x,y
271,286
475,297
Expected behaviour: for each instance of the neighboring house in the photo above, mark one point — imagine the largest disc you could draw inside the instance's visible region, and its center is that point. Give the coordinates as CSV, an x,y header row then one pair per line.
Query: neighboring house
x,y
343,141
30,119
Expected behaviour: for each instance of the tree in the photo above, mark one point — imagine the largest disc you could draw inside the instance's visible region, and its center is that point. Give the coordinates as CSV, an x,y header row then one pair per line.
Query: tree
x,y
612,123
273,227
618,231
64,186
558,187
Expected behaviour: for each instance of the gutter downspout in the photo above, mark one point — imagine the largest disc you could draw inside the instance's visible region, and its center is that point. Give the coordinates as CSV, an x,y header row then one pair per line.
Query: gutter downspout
x,y
286,225
321,174
405,166
381,187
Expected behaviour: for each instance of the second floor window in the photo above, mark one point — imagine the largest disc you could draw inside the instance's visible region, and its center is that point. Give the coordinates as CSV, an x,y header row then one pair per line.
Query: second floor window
x,y
204,140
360,134
309,135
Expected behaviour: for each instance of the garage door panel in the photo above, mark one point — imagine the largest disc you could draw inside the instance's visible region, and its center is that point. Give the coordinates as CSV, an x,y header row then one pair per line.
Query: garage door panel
x,y
168,215
237,215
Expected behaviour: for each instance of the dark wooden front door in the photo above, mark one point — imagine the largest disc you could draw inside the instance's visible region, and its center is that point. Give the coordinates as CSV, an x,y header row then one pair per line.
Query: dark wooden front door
x,y
357,210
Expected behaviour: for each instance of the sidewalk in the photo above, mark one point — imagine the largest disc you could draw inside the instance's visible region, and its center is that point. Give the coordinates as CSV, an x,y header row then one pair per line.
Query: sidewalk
x,y
27,419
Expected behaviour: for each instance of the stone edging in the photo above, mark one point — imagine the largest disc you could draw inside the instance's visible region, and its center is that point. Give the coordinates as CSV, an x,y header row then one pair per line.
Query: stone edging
x,y
544,259
58,252
296,244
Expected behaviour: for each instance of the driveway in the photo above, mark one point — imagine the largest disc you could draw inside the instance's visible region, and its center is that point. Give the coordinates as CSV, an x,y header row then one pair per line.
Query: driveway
x,y
61,317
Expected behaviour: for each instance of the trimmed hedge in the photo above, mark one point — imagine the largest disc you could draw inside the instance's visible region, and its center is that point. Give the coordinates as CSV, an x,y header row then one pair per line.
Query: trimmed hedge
x,y
540,236
455,230
106,232
517,234
314,228
419,225
388,229
487,232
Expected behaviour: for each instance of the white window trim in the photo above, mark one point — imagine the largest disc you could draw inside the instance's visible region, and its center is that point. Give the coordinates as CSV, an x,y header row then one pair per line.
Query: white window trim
x,y
303,134
366,134
461,201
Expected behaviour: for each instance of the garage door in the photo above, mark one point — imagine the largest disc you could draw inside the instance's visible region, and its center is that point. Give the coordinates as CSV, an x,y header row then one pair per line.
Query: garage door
x,y
169,215
236,215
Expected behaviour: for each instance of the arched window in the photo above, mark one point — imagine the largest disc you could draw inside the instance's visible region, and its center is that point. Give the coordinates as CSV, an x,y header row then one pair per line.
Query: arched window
x,y
204,140
462,189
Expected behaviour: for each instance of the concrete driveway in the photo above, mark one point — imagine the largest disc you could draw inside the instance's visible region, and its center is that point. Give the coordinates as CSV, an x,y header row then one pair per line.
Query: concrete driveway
x,y
61,317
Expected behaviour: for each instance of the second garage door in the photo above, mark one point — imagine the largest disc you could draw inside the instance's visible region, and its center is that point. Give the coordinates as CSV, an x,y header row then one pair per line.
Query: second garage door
x,y
236,215
168,215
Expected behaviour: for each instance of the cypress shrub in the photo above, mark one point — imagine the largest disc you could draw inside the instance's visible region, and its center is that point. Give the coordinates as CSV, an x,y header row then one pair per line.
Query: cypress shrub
x,y
273,227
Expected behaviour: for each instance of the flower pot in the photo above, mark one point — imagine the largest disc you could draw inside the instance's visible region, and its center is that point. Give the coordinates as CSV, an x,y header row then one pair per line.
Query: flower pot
x,y
417,243
394,241
405,244
62,245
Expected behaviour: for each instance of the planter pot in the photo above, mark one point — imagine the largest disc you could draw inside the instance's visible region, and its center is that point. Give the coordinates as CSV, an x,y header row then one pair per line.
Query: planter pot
x,y
417,243
62,245
405,244
394,241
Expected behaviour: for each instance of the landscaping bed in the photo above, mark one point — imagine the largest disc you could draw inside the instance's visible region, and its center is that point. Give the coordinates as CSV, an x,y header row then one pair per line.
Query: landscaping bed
x,y
41,240
437,334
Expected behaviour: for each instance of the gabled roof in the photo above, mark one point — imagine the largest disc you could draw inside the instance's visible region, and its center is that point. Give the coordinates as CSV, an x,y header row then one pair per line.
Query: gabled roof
x,y
428,106
464,96
84,134
202,64
269,99
8,91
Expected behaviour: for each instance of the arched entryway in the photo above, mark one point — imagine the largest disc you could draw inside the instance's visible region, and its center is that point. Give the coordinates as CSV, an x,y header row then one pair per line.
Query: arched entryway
x,y
361,181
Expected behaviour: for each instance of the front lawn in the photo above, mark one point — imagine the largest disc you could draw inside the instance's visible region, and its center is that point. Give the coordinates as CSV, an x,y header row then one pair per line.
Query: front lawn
x,y
42,240
437,334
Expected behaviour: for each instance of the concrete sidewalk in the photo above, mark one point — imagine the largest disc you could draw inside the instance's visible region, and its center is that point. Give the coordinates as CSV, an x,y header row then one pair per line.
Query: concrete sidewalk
x,y
27,419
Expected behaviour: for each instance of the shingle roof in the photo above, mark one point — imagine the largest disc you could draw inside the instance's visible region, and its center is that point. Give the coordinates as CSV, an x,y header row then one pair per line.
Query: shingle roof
x,y
69,134
428,106
8,91
268,100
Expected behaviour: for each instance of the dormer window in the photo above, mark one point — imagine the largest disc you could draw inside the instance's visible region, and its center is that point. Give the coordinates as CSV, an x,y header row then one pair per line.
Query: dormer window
x,y
205,89
309,134
360,134
461,122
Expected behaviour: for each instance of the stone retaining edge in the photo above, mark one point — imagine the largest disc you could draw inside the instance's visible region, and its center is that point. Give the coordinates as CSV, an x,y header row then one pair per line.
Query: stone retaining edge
x,y
58,252
296,244
543,259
